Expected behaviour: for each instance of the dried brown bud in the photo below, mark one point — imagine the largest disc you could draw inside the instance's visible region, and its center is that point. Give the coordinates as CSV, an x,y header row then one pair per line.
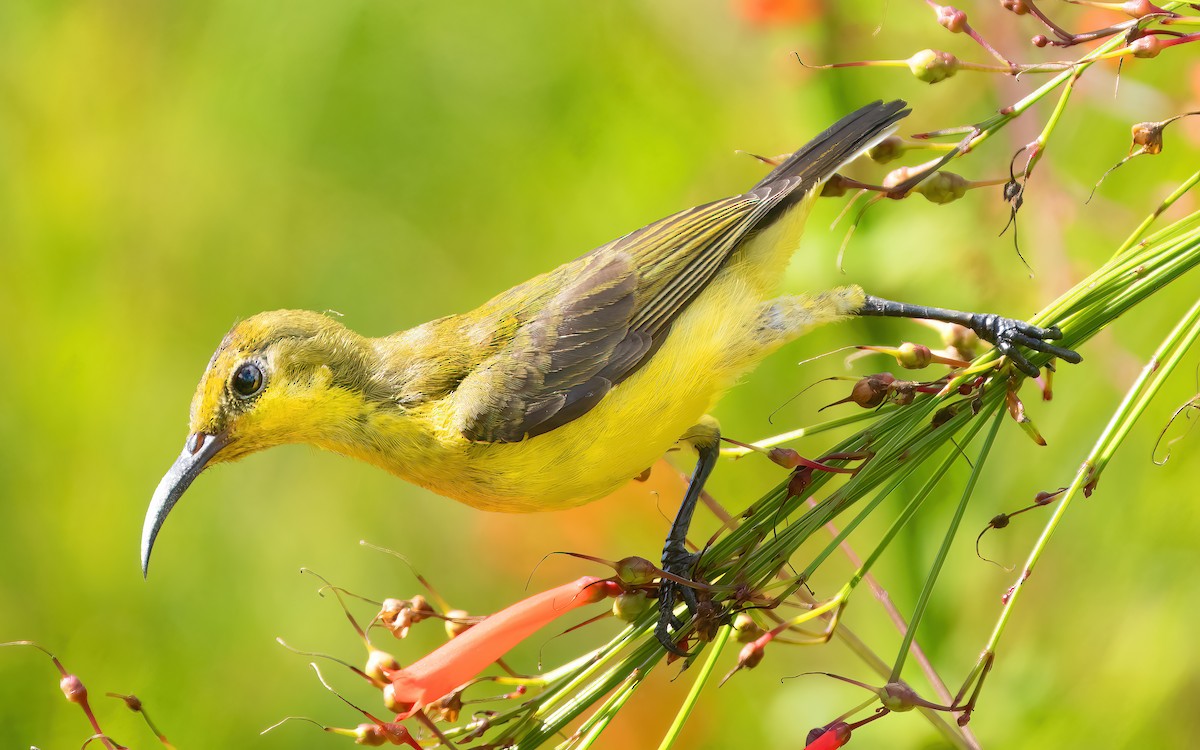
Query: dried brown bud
x,y
447,707
872,390
1149,136
932,66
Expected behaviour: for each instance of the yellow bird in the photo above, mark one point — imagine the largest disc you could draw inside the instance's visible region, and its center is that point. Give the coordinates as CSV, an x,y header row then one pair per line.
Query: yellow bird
x,y
561,389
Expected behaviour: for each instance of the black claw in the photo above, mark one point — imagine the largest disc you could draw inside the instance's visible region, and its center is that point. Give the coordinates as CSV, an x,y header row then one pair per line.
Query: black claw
x,y
678,562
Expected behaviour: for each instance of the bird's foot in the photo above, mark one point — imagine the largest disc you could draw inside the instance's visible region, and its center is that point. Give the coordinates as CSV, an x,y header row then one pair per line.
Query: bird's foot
x,y
1006,334
678,562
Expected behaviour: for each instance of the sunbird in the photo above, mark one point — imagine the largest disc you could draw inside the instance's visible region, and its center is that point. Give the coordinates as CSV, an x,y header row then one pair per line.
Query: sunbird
x,y
558,391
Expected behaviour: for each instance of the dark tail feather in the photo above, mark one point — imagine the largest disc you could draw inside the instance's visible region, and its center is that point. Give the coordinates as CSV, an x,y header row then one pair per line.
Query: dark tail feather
x,y
817,160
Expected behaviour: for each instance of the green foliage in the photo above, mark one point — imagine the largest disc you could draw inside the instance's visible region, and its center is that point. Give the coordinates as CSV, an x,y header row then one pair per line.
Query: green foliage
x,y
170,167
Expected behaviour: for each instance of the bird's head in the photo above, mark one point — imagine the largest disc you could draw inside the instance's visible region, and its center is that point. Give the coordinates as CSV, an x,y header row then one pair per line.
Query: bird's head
x,y
279,377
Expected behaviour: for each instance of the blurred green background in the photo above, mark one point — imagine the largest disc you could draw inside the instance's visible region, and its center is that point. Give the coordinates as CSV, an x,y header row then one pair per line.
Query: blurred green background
x,y
167,168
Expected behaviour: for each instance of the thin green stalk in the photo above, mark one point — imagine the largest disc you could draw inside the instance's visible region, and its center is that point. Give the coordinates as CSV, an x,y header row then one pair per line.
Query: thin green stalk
x,y
944,550
706,670
1153,375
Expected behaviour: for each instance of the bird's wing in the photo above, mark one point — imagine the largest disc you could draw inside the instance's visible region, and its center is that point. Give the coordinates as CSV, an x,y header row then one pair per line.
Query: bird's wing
x,y
615,305
613,308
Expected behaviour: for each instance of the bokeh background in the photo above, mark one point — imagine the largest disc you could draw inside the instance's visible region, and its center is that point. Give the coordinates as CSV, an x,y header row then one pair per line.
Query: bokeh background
x,y
167,168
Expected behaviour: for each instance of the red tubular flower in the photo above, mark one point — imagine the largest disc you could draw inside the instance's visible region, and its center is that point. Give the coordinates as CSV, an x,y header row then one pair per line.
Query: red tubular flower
x,y
460,660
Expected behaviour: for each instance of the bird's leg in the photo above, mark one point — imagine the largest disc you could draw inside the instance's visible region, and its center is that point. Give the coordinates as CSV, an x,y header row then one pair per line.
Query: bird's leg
x,y
705,437
1005,334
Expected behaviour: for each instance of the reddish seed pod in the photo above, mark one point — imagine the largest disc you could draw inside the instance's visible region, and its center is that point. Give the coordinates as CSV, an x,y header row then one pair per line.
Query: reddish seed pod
x,y
370,735
1039,40
871,391
1017,7
750,656
933,66
1139,8
73,688
1146,47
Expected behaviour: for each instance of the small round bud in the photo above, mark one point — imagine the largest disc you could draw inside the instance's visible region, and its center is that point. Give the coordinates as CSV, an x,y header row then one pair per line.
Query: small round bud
x,y
889,149
455,625
369,734
835,187
73,688
1039,40
379,664
1017,7
1139,8
914,356
1146,47
750,656
943,187
630,605
745,629
635,571
932,66
896,696
389,700
999,522
872,390
952,19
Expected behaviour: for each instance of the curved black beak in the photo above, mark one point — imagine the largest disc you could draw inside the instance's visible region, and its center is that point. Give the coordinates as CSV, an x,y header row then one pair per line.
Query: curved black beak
x,y
197,452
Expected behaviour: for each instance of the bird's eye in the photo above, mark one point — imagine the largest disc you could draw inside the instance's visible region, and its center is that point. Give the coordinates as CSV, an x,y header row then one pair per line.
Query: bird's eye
x,y
247,380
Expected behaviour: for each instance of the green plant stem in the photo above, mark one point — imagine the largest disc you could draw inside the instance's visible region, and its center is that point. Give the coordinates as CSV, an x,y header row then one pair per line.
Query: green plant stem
x,y
706,670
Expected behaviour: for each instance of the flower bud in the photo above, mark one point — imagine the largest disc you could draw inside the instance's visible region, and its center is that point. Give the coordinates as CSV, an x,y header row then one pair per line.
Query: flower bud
x,y
835,187
932,66
630,605
369,734
745,629
1017,7
73,688
889,149
379,663
914,356
1146,47
635,571
953,19
456,623
943,187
